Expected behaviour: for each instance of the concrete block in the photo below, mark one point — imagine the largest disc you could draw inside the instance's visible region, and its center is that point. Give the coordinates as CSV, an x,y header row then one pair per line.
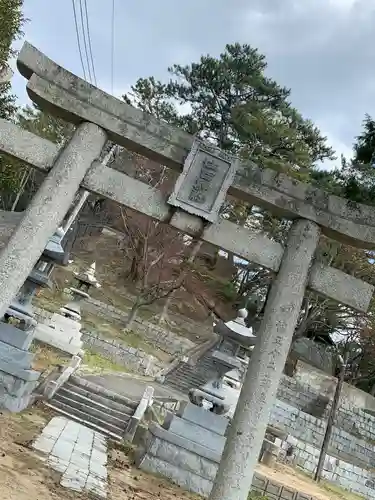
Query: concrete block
x,y
303,496
188,481
183,459
14,354
197,434
287,493
273,488
62,449
19,372
158,432
44,444
260,482
15,337
203,418
80,460
57,464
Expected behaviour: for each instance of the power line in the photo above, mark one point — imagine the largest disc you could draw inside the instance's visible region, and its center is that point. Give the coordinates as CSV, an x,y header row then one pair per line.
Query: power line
x,y
84,40
112,43
89,40
78,40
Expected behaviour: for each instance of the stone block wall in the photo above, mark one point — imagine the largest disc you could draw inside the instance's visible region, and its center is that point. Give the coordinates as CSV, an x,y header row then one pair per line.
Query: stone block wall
x,y
303,397
351,477
315,400
163,339
136,360
310,430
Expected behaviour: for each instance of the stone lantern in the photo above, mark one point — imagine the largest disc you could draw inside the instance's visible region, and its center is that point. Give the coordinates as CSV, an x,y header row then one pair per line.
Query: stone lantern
x,y
21,308
17,332
229,362
80,292
64,329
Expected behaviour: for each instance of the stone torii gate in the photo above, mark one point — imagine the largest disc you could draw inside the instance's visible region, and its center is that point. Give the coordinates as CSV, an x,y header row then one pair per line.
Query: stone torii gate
x,y
208,174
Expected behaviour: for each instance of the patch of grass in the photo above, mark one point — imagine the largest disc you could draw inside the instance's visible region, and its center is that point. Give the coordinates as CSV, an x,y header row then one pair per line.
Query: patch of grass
x,y
115,330
340,492
46,357
51,300
99,362
253,495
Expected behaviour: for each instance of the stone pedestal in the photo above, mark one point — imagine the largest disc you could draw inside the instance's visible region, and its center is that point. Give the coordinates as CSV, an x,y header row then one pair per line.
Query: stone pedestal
x,y
186,449
17,378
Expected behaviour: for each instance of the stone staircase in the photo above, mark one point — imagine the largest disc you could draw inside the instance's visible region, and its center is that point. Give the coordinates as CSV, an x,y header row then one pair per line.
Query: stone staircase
x,y
94,406
186,376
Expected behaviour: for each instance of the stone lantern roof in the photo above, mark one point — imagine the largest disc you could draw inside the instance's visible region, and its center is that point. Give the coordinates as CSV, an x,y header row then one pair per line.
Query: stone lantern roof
x,y
236,330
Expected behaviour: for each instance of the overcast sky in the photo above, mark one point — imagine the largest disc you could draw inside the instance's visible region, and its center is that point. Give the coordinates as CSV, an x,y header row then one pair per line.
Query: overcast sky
x,y
323,50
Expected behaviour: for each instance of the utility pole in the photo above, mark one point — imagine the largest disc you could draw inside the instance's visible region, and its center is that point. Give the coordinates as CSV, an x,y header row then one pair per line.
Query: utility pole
x,y
331,419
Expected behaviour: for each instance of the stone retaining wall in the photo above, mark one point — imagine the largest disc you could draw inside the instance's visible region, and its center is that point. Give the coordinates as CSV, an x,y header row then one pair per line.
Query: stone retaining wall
x,y
161,338
310,430
347,475
306,398
136,360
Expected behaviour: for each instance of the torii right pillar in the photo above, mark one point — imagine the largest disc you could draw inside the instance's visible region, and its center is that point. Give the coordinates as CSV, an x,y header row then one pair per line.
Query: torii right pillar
x,y
246,433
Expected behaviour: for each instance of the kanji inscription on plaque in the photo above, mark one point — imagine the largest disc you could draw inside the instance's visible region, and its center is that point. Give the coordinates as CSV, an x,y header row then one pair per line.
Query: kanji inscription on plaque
x,y
202,186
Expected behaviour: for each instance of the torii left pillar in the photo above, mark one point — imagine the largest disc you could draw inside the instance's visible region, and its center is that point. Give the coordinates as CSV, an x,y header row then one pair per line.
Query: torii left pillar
x,y
47,209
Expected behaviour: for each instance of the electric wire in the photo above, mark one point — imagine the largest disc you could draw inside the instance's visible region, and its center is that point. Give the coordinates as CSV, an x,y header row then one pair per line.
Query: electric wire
x,y
84,40
112,43
78,39
89,42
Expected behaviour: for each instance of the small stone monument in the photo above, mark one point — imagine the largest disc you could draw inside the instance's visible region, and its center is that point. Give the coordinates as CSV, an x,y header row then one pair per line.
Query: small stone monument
x,y
17,332
63,330
196,435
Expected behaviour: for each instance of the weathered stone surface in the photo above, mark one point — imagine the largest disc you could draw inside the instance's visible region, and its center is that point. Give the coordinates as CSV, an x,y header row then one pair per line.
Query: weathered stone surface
x,y
187,481
196,473
246,433
55,88
8,222
197,434
249,245
47,209
26,146
184,459
340,286
13,354
158,432
202,186
203,418
119,353
11,367
71,450
15,337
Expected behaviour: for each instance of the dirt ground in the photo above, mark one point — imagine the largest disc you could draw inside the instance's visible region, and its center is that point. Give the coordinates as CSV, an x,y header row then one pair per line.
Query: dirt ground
x,y
23,476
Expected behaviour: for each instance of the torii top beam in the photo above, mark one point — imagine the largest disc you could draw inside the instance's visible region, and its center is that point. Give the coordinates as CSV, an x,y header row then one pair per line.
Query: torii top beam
x,y
55,88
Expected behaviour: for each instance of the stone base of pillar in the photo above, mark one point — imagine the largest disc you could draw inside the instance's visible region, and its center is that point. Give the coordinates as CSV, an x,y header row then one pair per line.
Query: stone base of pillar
x,y
17,378
186,449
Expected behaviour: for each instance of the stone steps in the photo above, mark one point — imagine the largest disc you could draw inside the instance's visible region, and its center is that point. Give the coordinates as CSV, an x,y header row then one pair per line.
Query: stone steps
x,y
101,400
67,392
185,376
94,406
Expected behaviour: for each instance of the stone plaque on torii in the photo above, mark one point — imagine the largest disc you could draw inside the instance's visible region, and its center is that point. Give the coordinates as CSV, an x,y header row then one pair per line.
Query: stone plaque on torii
x,y
207,175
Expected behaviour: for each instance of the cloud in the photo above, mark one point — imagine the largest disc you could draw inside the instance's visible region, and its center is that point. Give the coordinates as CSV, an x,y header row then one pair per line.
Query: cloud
x,y
322,49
